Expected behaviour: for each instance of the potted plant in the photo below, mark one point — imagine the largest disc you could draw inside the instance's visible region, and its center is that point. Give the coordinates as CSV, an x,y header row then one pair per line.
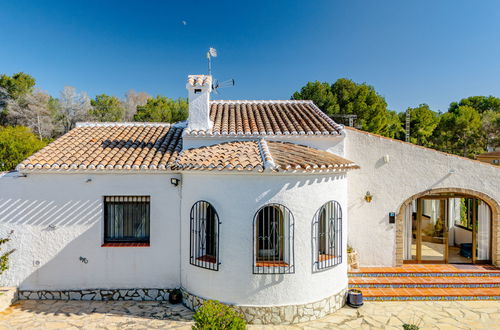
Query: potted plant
x,y
352,259
354,298
175,296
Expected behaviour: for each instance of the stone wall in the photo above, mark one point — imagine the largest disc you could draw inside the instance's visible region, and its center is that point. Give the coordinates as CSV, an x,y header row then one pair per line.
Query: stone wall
x,y
98,294
280,314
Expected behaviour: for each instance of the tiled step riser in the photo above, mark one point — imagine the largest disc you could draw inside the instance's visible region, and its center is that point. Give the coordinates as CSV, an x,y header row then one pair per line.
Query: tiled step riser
x,y
428,298
442,286
424,274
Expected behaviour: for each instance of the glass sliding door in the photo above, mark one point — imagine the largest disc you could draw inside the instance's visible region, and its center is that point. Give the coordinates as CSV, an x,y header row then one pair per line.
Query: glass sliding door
x,y
433,230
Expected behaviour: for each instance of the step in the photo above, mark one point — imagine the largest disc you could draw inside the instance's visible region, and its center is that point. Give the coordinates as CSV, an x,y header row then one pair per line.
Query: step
x,y
424,282
431,293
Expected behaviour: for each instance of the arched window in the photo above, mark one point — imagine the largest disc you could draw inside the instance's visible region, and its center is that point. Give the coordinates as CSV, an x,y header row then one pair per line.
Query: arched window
x,y
204,241
327,236
273,240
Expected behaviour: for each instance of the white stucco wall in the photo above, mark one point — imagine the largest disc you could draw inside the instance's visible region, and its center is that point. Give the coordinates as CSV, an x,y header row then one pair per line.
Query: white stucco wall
x,y
237,197
410,170
49,258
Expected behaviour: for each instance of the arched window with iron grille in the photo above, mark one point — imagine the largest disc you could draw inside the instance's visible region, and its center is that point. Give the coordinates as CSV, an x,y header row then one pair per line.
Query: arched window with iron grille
x,y
204,240
327,236
273,240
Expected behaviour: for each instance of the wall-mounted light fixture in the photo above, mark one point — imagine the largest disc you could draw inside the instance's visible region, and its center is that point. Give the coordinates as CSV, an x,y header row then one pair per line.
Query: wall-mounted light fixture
x,y
368,197
88,180
387,159
175,181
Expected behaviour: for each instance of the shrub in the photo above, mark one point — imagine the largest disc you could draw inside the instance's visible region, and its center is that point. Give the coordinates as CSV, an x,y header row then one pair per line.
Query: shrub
x,y
214,315
410,326
17,143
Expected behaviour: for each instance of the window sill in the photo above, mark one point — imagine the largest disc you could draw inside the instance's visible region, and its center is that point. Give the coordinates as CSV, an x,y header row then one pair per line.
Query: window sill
x,y
125,244
271,264
207,258
325,257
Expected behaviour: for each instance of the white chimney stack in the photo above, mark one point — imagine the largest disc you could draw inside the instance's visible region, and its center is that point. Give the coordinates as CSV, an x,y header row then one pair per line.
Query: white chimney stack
x,y
199,87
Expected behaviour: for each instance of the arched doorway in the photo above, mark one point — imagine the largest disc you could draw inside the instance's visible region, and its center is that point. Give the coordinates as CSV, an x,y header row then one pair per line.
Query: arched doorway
x,y
461,226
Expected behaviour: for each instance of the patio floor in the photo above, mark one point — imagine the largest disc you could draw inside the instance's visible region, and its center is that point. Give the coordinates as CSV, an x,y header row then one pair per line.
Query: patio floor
x,y
57,314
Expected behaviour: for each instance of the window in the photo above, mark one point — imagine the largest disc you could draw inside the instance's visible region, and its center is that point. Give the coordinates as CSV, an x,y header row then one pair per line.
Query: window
x,y
204,242
468,209
327,236
273,240
126,220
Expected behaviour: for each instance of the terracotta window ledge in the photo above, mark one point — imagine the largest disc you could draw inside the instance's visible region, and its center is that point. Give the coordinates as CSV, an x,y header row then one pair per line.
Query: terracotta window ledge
x,y
271,264
207,258
324,257
125,244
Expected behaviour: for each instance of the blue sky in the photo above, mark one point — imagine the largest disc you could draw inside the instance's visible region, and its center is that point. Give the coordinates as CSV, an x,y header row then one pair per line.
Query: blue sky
x,y
411,51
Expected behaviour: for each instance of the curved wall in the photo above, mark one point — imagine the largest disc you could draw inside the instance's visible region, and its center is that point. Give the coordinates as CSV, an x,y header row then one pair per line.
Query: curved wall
x,y
236,199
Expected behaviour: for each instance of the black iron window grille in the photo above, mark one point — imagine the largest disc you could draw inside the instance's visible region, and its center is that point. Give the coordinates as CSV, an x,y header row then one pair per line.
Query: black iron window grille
x,y
327,236
204,240
126,219
273,240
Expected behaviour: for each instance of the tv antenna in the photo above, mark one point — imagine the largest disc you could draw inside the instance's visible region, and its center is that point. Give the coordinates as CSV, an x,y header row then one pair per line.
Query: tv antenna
x,y
212,52
217,84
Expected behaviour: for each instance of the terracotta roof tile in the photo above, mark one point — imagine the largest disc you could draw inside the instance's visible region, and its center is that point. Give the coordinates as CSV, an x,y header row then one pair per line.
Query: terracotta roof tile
x,y
261,155
249,118
111,146
236,155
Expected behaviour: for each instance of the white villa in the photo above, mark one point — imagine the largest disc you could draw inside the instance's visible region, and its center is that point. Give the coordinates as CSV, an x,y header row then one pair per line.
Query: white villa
x,y
252,203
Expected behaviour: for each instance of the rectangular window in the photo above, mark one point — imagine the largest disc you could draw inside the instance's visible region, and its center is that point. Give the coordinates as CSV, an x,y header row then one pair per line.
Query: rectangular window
x,y
126,219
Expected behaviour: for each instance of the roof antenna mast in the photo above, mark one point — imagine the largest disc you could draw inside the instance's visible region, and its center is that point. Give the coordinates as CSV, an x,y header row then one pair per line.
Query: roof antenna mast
x,y
216,85
212,52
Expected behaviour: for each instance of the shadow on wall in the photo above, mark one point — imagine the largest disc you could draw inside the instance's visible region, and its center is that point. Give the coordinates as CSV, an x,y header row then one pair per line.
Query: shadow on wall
x,y
49,213
42,231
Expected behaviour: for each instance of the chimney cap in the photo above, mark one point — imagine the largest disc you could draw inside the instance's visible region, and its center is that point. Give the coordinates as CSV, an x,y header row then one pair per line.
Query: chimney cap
x,y
199,80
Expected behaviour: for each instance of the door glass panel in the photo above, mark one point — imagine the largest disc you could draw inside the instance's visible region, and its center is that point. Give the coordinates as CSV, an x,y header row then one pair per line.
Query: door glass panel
x,y
483,241
433,230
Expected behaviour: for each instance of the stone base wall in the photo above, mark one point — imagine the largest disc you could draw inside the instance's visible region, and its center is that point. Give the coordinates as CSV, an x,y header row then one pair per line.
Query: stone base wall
x,y
98,294
279,314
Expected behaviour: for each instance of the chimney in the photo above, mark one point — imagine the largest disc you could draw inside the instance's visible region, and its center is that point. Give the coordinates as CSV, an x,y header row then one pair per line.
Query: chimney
x,y
199,87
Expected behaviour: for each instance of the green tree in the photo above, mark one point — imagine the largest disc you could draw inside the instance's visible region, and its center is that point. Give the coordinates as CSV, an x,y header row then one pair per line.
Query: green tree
x,y
162,109
394,128
320,93
12,89
16,144
423,122
480,103
18,85
491,128
460,132
347,97
106,108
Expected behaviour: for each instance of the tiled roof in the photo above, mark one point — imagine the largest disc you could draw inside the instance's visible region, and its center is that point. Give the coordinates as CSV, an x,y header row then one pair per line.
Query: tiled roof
x,y
262,155
492,154
291,157
148,146
257,118
111,146
237,155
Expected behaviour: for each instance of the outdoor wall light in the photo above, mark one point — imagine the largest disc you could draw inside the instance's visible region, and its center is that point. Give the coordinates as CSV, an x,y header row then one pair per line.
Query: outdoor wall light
x,y
175,181
368,197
